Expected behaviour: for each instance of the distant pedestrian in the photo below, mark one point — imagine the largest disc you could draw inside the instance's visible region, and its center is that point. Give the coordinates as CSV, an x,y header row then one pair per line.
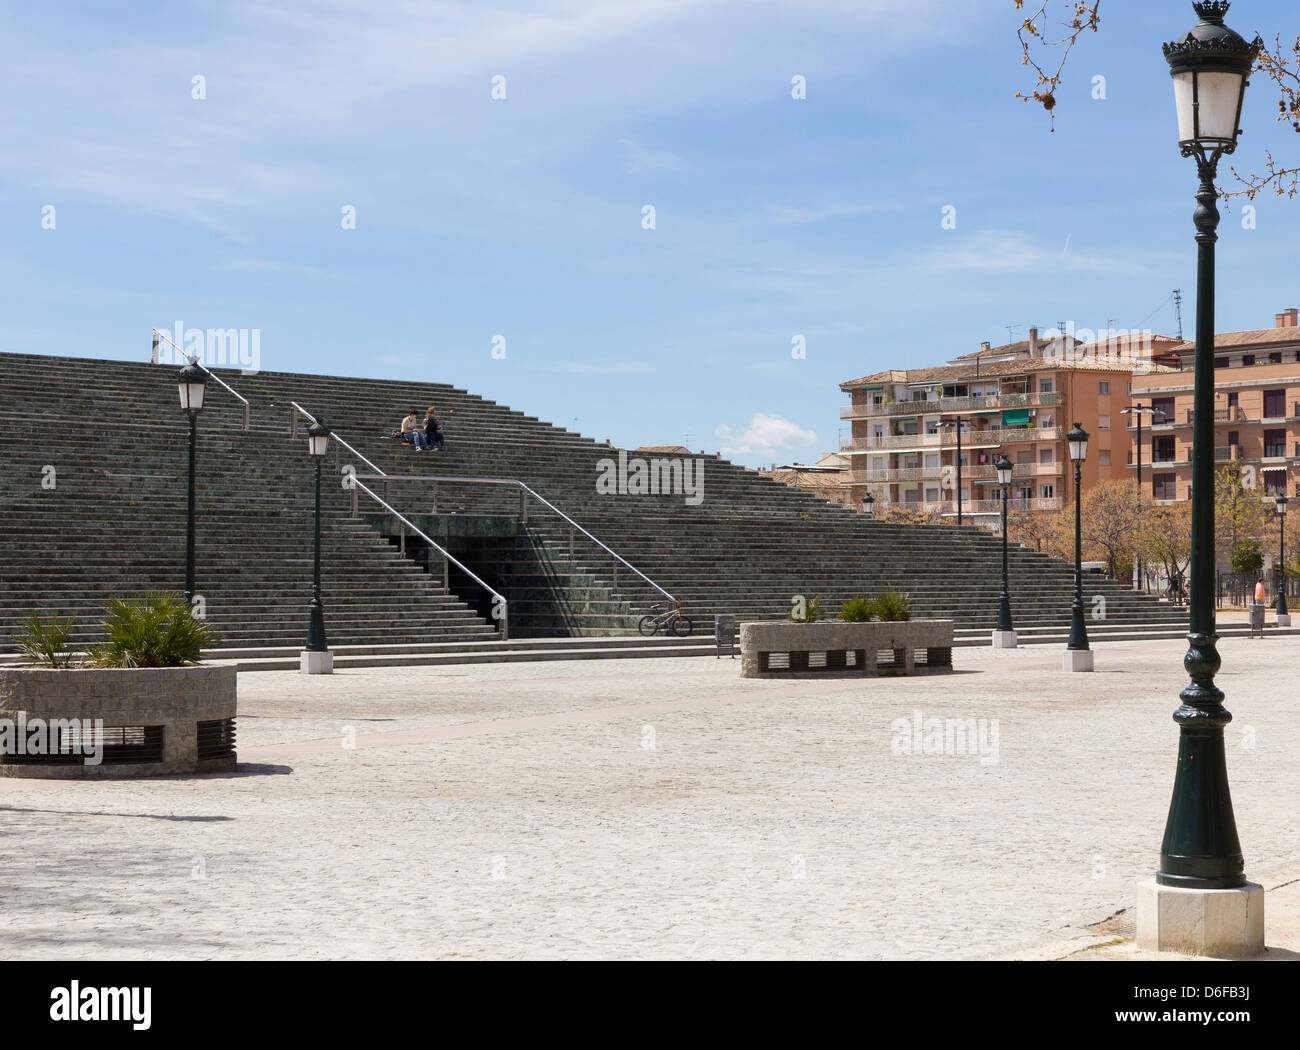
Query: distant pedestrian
x,y
412,431
1259,592
433,436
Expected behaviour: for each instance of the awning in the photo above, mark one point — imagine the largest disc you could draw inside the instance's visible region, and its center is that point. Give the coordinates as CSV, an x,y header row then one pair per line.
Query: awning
x,y
1015,417
869,389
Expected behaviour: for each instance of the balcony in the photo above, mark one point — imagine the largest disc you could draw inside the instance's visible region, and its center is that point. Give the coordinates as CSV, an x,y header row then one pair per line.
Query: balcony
x,y
950,404
979,506
986,437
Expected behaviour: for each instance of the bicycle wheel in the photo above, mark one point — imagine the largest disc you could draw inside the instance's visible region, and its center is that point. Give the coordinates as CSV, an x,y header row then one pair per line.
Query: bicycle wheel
x,y
649,625
680,626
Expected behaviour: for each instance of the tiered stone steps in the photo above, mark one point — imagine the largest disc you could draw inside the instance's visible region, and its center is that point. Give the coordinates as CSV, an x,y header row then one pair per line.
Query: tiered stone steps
x,y
115,523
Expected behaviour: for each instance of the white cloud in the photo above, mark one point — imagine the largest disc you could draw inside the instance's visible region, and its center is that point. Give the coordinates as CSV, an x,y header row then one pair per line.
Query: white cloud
x,y
767,435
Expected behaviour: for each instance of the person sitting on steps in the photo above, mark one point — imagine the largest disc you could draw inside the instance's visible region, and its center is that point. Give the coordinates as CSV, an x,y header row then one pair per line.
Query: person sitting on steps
x,y
413,432
433,437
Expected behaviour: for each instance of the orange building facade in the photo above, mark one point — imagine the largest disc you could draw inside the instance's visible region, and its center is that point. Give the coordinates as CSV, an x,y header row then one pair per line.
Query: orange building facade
x,y
1019,400
1256,413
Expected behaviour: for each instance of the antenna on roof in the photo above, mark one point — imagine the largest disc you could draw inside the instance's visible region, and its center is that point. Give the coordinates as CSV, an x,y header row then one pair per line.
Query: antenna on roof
x,y
1178,310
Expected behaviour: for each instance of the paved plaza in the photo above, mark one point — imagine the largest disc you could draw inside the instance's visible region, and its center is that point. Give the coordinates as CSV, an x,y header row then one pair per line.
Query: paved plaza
x,y
653,809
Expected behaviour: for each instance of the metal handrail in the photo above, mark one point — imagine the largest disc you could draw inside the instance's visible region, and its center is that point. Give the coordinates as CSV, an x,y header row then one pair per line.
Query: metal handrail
x,y
193,359
334,435
523,507
355,483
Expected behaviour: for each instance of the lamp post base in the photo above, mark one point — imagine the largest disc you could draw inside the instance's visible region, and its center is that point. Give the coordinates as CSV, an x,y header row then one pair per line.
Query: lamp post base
x,y
1218,923
316,661
1284,619
1004,639
1077,660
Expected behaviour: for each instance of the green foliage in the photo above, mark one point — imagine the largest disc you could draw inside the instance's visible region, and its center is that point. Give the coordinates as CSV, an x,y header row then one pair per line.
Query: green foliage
x,y
893,606
1247,557
811,608
858,610
155,631
44,643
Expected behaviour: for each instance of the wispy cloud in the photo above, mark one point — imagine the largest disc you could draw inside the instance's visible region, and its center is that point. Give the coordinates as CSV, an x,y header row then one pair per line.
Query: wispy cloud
x,y
766,435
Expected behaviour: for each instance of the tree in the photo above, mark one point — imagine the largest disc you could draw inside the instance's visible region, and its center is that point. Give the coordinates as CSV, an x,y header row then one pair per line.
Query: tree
x,y
1111,524
1239,511
1247,557
1166,537
1040,46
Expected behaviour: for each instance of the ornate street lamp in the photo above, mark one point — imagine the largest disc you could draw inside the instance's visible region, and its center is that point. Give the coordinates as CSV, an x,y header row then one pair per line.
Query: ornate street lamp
x,y
1283,613
1005,635
869,505
1185,908
192,383
1078,657
317,658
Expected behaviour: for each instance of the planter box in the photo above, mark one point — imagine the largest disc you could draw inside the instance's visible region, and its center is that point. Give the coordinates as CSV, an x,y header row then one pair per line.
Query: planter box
x,y
779,648
154,720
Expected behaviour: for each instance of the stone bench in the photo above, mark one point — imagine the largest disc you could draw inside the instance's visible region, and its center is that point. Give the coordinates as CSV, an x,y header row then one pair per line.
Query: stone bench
x,y
141,721
781,649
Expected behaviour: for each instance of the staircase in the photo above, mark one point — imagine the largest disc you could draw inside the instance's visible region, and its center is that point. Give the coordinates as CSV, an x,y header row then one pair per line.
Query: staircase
x,y
114,523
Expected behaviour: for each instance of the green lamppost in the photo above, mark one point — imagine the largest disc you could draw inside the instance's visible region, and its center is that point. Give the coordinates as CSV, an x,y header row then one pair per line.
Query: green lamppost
x,y
316,658
1078,656
192,382
1200,901
1283,613
1005,635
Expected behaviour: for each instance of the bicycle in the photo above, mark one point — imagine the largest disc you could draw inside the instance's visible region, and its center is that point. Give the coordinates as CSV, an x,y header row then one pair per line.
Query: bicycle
x,y
669,617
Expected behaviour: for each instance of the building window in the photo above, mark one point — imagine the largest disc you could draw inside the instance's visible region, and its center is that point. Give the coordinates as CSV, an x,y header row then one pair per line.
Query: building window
x,y
1103,457
1274,482
1024,456
1274,404
1164,409
1275,358
1220,362
1247,360
1044,386
1047,455
1234,437
1164,449
1103,422
1164,486
1233,399
1103,386
1274,443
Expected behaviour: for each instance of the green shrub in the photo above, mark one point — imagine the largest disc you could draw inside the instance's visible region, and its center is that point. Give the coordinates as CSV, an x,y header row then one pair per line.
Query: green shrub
x,y
812,611
1247,557
155,631
893,606
44,643
858,610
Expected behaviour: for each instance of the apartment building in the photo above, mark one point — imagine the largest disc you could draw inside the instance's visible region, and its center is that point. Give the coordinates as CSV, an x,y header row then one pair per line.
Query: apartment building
x,y
1256,412
1019,399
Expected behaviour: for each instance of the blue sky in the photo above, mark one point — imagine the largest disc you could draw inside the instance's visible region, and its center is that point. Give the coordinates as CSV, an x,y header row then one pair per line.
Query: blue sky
x,y
522,217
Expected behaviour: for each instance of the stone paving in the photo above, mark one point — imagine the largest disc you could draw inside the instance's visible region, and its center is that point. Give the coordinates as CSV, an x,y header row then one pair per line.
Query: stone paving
x,y
651,809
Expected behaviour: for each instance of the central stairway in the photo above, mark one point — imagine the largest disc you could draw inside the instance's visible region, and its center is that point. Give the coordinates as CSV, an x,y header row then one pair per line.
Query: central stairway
x,y
112,521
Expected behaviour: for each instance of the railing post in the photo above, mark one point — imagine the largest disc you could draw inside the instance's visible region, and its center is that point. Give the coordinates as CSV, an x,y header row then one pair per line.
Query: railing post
x,y
570,544
355,508
446,573
434,509
523,506
246,407
293,422
402,537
